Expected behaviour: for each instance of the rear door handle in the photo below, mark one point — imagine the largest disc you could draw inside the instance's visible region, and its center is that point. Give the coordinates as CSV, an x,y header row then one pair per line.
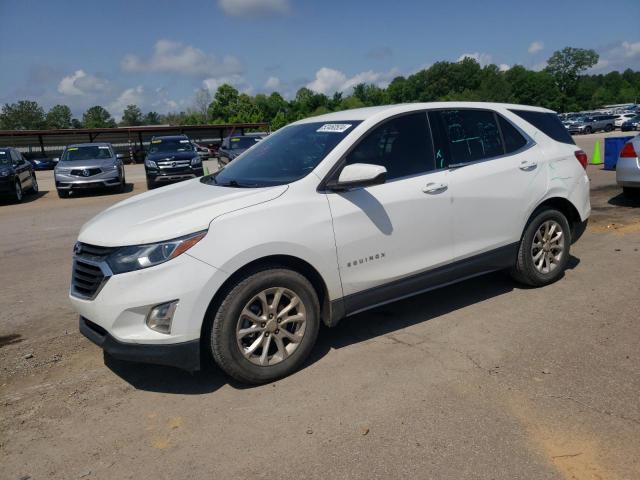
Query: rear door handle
x,y
528,165
434,188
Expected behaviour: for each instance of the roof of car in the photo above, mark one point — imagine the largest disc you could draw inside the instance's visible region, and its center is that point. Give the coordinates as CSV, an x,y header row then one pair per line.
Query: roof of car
x,y
169,137
94,144
368,112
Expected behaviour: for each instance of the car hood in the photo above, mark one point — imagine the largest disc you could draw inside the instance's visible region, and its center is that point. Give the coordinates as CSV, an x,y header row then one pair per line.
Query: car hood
x,y
95,163
171,156
170,212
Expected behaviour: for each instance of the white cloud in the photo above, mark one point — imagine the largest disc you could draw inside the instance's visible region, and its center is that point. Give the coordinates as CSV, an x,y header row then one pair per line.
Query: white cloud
x,y
175,57
130,96
482,58
254,8
237,81
619,56
273,83
80,83
535,47
329,80
503,67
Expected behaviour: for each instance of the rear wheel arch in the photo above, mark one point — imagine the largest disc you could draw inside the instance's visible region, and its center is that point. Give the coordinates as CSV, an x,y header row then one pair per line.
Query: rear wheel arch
x,y
568,209
272,261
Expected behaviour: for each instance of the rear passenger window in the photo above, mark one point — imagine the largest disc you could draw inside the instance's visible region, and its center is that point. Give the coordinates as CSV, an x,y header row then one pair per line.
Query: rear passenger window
x,y
513,139
463,136
548,123
402,145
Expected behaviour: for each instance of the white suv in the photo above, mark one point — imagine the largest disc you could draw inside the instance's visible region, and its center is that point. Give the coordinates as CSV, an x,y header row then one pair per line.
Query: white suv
x,y
327,217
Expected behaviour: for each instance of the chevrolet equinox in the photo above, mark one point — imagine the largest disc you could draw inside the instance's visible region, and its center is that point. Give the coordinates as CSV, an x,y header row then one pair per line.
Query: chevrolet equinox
x,y
328,217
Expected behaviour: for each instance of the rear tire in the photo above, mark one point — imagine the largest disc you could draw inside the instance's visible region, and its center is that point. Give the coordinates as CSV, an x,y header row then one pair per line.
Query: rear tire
x,y
588,130
608,128
631,192
256,316
34,184
543,254
150,185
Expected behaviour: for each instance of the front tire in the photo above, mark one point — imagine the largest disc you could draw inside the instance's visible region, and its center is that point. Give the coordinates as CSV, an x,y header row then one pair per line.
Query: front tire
x,y
544,249
34,184
17,192
588,130
63,194
266,326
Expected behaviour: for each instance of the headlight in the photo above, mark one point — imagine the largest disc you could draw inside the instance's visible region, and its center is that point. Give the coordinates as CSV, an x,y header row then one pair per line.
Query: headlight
x,y
196,161
128,259
4,173
150,164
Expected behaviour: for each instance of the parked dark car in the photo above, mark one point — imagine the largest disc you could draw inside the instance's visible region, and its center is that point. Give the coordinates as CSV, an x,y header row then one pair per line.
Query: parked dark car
x,y
631,124
171,159
233,146
43,163
17,175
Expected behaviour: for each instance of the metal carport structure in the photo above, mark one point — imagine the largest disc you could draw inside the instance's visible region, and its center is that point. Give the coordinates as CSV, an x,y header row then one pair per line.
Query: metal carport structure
x,y
126,140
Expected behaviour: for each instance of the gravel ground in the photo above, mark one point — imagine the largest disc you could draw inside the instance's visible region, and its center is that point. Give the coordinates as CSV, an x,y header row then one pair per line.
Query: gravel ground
x,y
483,379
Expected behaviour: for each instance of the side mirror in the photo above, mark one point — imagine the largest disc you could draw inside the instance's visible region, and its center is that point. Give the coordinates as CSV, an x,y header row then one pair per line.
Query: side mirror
x,y
55,159
120,156
358,175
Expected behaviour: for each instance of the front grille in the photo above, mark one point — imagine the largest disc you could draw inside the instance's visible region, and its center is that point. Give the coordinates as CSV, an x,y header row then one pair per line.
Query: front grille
x,y
86,172
90,270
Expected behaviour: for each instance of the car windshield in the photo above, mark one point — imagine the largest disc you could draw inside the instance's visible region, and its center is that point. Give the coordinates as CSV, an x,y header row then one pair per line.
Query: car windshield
x,y
283,157
88,152
161,145
242,143
5,157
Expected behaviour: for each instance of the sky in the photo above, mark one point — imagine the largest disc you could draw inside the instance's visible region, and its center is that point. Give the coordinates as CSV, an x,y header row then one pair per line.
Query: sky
x,y
158,53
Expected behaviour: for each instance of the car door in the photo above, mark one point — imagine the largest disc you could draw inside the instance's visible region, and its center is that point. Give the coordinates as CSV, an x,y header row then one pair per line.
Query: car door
x,y
496,175
21,168
389,232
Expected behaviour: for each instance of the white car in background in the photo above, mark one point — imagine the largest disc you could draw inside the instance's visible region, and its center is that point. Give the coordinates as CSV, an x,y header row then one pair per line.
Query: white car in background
x,y
327,217
623,118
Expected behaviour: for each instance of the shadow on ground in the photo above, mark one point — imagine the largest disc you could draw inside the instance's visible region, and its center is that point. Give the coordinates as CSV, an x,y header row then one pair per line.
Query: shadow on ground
x,y
358,328
622,200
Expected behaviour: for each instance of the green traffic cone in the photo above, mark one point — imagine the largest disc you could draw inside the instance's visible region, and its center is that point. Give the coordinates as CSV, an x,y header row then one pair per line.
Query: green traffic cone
x,y
595,157
206,170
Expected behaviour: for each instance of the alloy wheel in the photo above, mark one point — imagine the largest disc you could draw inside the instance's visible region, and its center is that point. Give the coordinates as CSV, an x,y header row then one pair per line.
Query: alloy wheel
x,y
18,192
271,326
547,248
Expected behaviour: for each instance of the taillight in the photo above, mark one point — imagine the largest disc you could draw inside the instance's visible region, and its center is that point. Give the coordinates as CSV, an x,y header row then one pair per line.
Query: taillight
x,y
628,151
582,158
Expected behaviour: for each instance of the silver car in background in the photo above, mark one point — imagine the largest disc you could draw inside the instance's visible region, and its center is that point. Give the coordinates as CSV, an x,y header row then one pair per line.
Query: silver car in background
x,y
628,167
89,166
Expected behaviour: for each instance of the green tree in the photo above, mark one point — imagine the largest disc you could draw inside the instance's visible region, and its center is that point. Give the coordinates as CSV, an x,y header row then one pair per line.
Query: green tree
x,y
23,115
151,118
98,117
131,116
59,116
224,105
278,121
566,65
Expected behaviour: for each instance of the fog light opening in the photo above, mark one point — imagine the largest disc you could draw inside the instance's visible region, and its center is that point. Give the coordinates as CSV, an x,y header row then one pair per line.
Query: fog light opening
x,y
160,317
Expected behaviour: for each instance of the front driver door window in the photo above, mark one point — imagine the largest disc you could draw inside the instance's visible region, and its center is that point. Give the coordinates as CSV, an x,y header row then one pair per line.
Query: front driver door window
x,y
388,232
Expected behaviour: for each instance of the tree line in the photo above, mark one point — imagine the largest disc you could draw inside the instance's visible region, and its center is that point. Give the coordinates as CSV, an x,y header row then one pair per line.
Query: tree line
x,y
562,86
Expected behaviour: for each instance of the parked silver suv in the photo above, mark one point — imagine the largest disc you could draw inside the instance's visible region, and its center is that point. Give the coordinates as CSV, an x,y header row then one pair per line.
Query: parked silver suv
x,y
89,166
593,124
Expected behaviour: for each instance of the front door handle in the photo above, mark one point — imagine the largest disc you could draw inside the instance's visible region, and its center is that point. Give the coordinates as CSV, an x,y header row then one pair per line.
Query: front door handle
x,y
434,188
528,165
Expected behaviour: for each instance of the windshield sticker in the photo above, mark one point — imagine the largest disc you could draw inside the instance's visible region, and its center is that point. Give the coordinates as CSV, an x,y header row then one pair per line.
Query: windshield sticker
x,y
184,141
3,153
334,127
156,141
235,139
103,148
72,149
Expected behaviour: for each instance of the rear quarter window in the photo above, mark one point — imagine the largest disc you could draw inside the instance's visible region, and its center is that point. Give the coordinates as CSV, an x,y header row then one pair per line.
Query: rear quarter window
x,y
548,123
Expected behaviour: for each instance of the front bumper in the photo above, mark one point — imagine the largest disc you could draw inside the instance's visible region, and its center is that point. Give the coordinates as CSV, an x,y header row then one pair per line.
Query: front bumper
x,y
106,179
628,172
173,175
184,355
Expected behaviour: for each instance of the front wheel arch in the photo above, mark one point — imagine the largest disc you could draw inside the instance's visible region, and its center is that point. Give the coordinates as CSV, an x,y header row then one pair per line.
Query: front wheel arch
x,y
272,261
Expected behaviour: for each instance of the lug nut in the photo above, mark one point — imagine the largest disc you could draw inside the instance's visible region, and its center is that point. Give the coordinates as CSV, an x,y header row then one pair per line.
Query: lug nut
x,y
277,330
271,315
266,334
263,324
